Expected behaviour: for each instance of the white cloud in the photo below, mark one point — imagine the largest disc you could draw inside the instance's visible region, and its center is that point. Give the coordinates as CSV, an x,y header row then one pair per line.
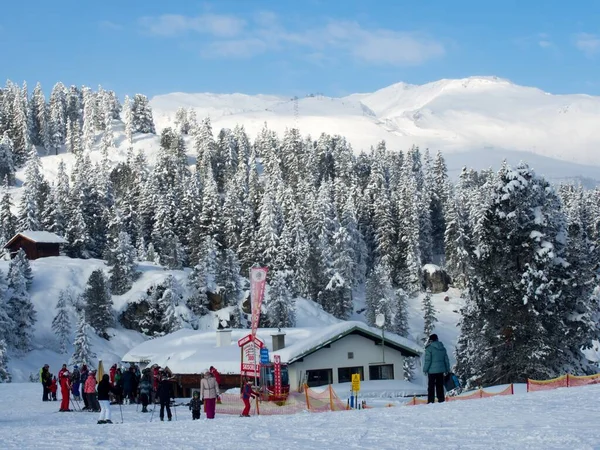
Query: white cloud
x,y
545,44
234,38
588,43
218,25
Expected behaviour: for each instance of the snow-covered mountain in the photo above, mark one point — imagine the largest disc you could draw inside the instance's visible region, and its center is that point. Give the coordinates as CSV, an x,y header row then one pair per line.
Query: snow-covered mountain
x,y
477,121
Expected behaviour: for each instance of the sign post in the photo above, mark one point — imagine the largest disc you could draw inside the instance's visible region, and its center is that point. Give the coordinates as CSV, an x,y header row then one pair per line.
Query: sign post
x,y
356,386
277,375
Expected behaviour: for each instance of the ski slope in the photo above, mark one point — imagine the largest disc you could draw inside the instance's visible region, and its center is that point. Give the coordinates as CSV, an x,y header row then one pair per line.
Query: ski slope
x,y
559,419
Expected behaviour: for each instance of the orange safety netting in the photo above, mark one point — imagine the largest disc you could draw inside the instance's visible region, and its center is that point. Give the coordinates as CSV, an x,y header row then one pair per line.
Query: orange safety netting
x,y
295,402
480,393
575,380
544,385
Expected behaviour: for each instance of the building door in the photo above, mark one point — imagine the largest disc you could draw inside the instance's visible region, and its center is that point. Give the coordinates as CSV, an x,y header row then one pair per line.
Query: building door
x,y
319,377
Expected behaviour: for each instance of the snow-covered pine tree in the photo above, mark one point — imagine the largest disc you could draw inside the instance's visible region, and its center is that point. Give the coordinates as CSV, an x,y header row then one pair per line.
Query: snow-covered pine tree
x,y
57,125
61,325
228,278
380,295
141,115
19,306
182,123
7,164
128,119
98,303
516,307
89,130
30,216
203,278
20,259
429,316
82,353
39,118
8,221
171,299
4,373
123,271
279,301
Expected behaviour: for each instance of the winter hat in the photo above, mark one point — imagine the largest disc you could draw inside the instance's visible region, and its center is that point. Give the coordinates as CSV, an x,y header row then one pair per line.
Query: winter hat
x,y
433,337
196,394
75,366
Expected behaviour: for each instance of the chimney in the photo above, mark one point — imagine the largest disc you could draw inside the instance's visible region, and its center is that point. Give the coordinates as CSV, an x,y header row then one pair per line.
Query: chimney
x,y
223,338
278,340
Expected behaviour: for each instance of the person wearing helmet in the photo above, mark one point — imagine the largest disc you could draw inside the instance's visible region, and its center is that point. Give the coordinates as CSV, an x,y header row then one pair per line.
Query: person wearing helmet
x,y
195,405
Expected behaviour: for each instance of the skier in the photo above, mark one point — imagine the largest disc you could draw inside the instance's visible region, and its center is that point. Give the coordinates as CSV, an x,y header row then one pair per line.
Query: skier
x,y
209,392
155,380
64,378
46,380
128,384
104,388
195,405
144,389
247,394
89,389
82,379
435,366
165,394
75,382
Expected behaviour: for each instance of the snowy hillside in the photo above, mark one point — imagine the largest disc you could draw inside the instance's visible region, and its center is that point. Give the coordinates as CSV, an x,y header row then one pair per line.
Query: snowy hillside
x,y
51,275
476,121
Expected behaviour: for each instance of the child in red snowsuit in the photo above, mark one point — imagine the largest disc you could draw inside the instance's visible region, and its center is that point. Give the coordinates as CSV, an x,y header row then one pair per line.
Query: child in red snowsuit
x,y
247,394
53,388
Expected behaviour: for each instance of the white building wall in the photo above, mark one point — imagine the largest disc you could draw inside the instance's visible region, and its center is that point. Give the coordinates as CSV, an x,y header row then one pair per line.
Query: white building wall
x,y
365,351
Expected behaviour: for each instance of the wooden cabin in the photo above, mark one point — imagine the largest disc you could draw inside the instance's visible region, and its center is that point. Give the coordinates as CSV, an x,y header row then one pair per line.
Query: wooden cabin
x,y
36,244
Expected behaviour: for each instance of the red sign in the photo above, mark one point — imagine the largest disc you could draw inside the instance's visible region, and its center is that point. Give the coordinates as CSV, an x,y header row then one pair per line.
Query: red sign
x,y
250,355
277,360
258,279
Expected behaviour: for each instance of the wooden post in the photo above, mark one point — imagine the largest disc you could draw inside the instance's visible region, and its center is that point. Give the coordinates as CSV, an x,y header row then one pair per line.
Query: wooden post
x,y
306,394
257,407
331,398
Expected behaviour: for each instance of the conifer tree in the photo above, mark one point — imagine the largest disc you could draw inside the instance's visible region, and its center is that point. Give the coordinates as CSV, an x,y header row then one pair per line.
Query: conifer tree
x,y
82,353
7,164
141,115
98,303
8,221
128,119
123,271
61,324
4,373
19,306
429,317
380,295
30,215
89,131
280,303
57,125
39,118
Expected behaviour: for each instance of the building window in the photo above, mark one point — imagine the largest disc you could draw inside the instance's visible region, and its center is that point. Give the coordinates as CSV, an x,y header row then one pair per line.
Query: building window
x,y
350,355
320,377
381,372
345,374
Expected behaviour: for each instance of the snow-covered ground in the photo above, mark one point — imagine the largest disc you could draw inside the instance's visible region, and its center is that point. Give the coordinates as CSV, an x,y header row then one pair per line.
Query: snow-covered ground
x,y
559,419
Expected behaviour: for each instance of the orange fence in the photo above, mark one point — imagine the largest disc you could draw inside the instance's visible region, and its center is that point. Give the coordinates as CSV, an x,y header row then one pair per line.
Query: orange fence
x,y
562,381
480,393
295,402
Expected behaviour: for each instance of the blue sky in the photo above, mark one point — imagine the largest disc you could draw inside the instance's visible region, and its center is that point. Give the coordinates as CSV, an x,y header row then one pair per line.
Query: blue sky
x,y
299,47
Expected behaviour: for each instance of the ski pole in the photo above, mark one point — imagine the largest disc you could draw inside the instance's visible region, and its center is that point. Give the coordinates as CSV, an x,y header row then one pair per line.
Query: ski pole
x,y
121,409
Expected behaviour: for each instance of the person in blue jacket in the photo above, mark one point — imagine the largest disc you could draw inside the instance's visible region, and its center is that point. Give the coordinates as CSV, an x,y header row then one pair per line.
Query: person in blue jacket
x,y
435,366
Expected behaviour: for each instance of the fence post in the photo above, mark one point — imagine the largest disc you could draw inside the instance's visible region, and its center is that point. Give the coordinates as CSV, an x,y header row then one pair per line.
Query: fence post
x,y
527,384
257,407
568,381
480,393
306,394
331,397
512,389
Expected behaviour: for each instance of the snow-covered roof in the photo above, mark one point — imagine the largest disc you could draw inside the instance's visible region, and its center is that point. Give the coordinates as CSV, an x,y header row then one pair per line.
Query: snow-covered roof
x,y
191,351
45,237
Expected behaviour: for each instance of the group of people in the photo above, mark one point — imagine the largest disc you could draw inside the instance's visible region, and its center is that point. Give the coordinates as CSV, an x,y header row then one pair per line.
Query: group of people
x,y
153,385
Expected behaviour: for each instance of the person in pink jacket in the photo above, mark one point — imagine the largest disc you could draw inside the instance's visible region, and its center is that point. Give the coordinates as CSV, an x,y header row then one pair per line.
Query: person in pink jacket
x,y
89,390
209,390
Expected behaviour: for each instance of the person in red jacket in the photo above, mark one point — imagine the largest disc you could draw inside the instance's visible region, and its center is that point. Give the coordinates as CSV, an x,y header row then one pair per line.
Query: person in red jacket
x,y
64,378
216,374
247,394
112,372
53,388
